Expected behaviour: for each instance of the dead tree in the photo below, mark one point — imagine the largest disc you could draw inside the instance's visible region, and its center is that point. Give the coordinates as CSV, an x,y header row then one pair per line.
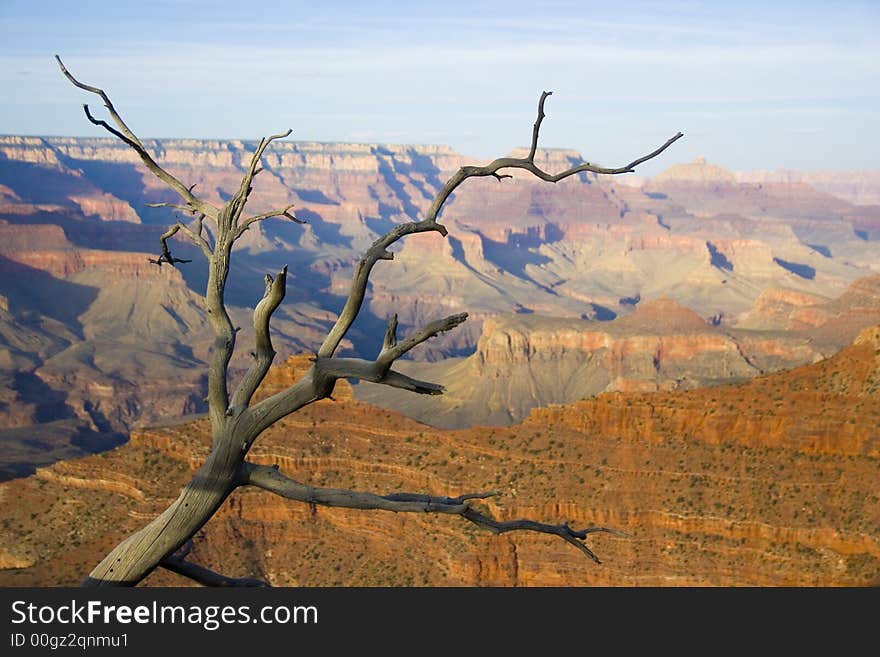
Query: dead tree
x,y
236,422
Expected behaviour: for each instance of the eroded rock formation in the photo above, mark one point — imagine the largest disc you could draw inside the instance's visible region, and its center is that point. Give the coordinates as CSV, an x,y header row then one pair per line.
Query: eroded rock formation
x,y
88,322
769,482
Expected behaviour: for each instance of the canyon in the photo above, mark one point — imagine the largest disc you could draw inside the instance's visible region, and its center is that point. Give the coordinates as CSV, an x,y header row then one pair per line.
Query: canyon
x,y
522,362
767,482
694,277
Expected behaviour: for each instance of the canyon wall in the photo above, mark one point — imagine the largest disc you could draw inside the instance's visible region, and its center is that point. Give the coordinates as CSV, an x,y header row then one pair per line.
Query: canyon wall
x,y
92,333
526,361
771,482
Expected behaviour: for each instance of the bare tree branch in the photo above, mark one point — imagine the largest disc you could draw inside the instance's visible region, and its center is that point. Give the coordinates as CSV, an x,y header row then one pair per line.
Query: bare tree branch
x,y
283,212
392,349
166,256
199,241
319,382
104,124
528,164
218,258
536,127
253,167
224,342
161,259
127,136
270,479
377,251
379,370
368,370
238,201
390,340
200,225
206,576
569,535
396,379
264,354
176,206
307,390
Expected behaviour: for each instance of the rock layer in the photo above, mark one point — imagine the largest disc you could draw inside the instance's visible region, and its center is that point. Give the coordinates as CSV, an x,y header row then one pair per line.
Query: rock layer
x,y
525,361
770,482
90,323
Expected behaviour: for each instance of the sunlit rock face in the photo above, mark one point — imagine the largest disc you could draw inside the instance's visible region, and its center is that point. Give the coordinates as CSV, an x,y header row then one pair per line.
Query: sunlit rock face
x,y
97,340
770,482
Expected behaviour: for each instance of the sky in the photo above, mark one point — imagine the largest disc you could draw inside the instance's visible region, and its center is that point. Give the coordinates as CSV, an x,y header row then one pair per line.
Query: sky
x,y
753,85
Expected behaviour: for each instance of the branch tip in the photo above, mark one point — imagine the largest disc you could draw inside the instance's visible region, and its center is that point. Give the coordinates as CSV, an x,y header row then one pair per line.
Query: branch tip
x,y
128,137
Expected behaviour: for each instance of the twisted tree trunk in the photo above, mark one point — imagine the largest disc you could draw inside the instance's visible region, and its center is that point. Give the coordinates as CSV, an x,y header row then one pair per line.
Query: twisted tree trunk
x,y
236,422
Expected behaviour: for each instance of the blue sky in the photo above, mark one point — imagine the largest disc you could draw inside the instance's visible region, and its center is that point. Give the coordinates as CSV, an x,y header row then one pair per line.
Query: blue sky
x,y
752,85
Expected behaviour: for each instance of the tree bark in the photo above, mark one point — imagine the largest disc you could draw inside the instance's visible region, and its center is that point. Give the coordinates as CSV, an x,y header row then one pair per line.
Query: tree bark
x,y
139,554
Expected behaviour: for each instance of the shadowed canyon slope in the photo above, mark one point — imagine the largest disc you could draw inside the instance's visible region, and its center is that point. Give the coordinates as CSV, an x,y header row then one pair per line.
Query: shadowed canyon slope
x,y
525,361
94,340
767,482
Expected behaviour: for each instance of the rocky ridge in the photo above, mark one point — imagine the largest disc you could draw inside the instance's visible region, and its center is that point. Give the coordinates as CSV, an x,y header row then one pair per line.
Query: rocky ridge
x,y
89,321
526,361
769,482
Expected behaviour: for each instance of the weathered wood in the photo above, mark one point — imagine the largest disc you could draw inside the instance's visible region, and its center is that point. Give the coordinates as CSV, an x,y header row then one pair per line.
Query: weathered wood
x,y
264,354
269,478
206,576
237,422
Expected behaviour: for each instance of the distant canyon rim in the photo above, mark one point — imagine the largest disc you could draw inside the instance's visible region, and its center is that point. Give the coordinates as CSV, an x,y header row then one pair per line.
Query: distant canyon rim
x,y
697,276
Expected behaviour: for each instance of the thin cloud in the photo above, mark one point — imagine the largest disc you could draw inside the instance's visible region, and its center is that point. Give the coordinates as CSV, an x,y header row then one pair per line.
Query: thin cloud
x,y
465,74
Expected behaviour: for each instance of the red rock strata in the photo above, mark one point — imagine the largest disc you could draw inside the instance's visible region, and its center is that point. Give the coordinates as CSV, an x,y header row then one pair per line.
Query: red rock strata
x,y
770,482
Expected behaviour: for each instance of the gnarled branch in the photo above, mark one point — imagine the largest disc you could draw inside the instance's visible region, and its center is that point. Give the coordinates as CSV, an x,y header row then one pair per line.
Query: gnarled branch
x,y
354,368
327,370
269,478
238,201
379,370
377,251
127,136
176,206
206,576
196,238
368,370
253,167
392,349
264,354
574,536
158,261
283,212
528,164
